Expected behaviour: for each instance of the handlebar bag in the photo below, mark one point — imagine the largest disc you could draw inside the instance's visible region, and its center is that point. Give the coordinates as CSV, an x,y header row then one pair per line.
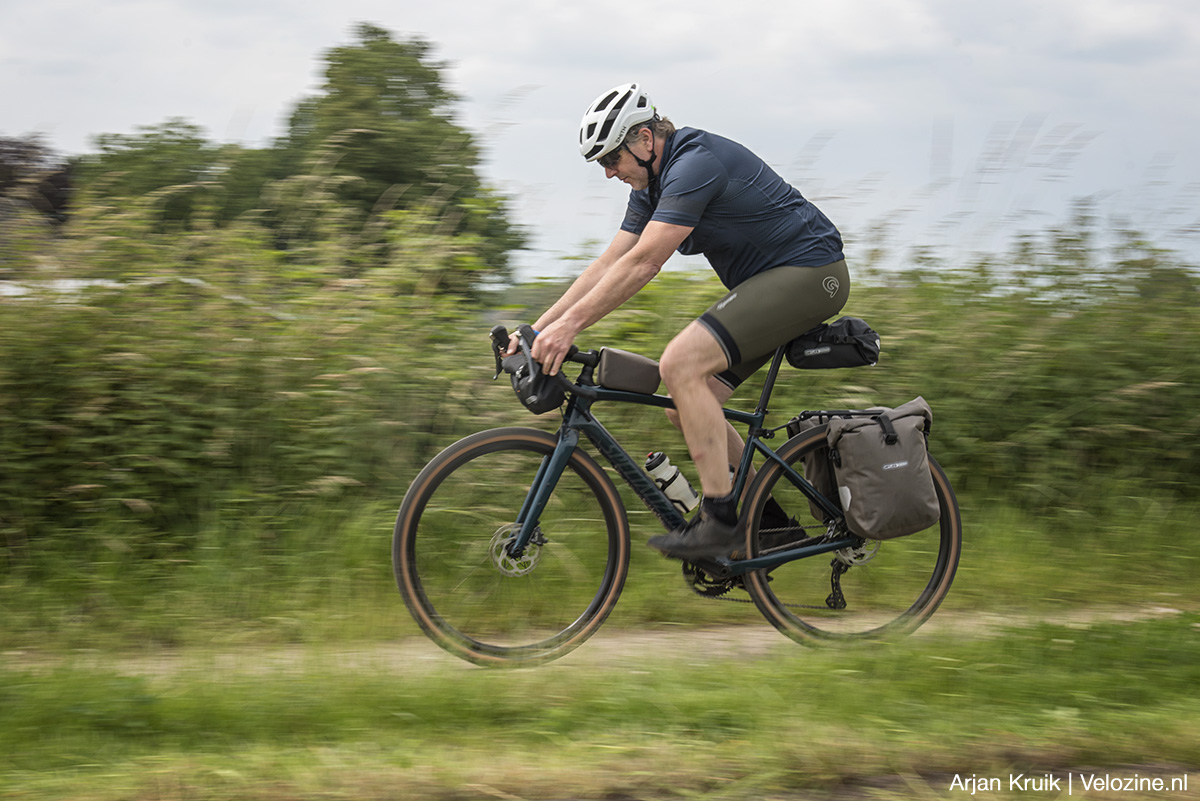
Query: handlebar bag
x,y
540,393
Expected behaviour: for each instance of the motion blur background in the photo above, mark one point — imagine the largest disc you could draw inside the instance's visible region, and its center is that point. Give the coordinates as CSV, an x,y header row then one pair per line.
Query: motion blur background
x,y
952,126
249,255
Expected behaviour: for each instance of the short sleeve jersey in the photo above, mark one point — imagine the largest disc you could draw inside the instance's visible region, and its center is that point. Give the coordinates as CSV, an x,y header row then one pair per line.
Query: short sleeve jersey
x,y
746,218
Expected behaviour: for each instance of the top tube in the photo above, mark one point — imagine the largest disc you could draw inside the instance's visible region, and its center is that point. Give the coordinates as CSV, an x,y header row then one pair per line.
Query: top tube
x,y
585,387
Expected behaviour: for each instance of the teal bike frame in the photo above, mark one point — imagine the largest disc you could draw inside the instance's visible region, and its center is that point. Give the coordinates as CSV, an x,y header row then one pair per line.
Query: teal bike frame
x,y
578,419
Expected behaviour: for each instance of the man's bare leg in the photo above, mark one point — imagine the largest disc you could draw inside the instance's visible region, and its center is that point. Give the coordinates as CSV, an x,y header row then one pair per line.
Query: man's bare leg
x,y
687,367
734,444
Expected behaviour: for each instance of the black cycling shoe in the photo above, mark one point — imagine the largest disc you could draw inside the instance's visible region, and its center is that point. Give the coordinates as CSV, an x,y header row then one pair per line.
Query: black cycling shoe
x,y
703,537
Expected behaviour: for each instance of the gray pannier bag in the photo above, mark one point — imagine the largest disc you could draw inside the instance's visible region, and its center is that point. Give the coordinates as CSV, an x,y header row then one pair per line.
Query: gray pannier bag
x,y
817,468
882,466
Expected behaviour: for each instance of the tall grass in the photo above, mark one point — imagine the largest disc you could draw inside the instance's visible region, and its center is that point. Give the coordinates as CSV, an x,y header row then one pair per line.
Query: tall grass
x,y
212,443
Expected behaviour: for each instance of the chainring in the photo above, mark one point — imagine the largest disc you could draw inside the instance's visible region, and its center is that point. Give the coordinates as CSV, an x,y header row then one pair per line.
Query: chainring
x,y
705,585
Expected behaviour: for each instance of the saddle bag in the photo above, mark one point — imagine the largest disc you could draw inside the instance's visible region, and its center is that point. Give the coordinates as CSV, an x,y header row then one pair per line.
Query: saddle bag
x,y
882,469
846,342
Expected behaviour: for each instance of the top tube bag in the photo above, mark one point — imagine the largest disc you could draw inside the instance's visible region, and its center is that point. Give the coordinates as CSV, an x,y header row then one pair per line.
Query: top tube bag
x,y
882,468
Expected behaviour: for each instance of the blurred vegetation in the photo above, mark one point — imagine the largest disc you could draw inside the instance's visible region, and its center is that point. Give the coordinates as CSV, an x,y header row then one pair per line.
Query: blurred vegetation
x,y
221,367
193,421
377,143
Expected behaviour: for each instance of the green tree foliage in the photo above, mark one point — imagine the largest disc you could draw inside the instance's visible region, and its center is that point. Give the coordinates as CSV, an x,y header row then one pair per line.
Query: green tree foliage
x,y
177,171
384,119
172,153
387,102
379,138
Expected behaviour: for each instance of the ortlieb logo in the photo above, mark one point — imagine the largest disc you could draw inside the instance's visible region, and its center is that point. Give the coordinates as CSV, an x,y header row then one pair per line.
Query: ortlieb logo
x,y
818,351
895,465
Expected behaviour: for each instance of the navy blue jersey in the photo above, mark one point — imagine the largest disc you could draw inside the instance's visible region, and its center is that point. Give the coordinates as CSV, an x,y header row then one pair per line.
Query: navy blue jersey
x,y
746,218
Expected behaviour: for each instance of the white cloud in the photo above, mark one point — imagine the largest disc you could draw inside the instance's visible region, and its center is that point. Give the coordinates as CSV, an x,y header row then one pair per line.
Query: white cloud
x,y
860,102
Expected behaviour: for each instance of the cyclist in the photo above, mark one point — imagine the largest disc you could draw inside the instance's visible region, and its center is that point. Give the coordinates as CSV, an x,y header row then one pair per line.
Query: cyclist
x,y
777,254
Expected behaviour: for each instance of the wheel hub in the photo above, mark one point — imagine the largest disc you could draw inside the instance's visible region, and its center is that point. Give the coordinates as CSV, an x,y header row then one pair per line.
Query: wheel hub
x,y
858,555
505,562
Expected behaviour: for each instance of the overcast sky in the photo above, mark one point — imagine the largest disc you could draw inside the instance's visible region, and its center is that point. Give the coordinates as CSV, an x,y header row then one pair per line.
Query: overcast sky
x,y
960,123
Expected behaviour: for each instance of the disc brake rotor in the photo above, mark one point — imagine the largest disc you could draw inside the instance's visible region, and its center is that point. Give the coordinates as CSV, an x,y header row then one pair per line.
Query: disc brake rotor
x,y
859,555
505,562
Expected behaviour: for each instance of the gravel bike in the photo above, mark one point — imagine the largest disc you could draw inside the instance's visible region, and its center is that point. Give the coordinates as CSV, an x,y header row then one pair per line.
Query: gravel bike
x,y
512,545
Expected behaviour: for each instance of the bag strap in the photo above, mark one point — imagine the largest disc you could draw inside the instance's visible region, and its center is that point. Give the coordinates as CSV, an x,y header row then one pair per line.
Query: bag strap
x,y
890,436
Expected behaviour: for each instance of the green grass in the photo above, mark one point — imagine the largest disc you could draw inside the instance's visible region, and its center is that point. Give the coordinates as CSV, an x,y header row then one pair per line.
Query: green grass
x,y
286,667
328,578
646,723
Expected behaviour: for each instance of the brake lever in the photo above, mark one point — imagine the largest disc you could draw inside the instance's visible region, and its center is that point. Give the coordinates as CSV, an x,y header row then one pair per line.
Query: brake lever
x,y
499,345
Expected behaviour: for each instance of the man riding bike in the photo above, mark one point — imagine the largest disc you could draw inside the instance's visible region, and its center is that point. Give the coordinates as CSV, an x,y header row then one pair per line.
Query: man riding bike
x,y
777,254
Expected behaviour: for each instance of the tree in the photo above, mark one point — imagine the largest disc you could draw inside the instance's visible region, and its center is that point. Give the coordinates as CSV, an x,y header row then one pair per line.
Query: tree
x,y
384,118
375,147
33,174
174,153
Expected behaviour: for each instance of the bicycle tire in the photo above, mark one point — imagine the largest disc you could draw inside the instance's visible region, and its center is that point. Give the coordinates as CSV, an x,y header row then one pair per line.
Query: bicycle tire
x,y
891,594
467,594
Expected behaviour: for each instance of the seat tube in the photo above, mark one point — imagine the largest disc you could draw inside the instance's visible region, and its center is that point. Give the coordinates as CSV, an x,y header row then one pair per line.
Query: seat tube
x,y
547,479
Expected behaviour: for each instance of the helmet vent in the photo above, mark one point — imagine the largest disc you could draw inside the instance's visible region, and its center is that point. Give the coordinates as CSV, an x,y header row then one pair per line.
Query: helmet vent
x,y
610,117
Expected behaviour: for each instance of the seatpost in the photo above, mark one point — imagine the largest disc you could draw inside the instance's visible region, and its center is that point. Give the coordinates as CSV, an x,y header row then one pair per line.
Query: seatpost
x,y
769,384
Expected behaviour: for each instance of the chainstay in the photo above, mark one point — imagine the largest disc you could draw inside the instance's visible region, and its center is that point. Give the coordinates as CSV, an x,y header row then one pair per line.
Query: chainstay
x,y
719,590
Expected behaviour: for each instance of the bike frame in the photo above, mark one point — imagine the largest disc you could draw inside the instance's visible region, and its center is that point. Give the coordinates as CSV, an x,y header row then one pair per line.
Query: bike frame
x,y
578,418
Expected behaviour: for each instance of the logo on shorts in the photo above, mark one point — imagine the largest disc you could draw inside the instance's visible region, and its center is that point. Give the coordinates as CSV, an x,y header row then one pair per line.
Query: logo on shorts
x,y
831,285
726,302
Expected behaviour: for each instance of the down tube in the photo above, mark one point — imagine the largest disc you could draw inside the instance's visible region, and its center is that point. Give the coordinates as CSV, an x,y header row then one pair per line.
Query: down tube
x,y
642,485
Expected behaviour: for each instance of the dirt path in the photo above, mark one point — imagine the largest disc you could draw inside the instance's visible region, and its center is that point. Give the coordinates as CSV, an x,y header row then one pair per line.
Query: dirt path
x,y
611,648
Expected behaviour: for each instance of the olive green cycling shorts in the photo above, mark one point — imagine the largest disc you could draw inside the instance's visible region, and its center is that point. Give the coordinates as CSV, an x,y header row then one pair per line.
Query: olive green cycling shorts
x,y
771,308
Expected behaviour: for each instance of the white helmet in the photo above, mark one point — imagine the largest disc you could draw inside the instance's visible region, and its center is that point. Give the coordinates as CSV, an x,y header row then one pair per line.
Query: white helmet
x,y
609,118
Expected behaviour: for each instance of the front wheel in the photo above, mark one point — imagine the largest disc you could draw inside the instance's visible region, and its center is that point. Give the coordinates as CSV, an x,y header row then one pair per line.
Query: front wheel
x,y
873,591
464,588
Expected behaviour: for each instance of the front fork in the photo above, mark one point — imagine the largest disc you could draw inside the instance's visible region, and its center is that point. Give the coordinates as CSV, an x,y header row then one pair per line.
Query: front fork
x,y
544,482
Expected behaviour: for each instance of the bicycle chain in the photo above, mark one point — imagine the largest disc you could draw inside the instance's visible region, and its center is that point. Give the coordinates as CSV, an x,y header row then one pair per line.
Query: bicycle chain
x,y
715,589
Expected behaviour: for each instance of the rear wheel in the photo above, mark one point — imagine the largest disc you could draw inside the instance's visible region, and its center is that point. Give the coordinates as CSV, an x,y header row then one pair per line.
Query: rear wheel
x,y
875,590
458,579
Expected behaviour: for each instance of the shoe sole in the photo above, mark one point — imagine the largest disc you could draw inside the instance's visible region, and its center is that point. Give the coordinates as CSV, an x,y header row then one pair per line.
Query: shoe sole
x,y
683,552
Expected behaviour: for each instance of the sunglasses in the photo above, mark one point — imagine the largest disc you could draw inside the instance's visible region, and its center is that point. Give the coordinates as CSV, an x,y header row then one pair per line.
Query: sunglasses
x,y
609,160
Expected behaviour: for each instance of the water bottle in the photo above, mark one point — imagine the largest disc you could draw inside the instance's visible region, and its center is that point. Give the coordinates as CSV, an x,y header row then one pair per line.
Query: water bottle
x,y
673,483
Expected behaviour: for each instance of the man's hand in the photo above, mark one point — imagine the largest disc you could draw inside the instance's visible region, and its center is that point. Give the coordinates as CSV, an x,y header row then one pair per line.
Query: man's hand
x,y
552,344
514,344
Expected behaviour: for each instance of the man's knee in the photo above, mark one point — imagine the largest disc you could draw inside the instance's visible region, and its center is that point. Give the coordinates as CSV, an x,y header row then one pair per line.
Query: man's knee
x,y
693,355
673,362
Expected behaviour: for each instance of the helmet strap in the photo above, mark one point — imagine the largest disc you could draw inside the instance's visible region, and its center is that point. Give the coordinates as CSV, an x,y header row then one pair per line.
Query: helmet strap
x,y
647,164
